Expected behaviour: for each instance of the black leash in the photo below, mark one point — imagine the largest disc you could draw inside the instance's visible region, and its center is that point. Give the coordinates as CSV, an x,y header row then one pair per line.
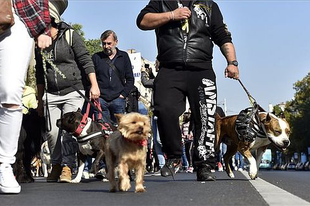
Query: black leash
x,y
53,66
251,98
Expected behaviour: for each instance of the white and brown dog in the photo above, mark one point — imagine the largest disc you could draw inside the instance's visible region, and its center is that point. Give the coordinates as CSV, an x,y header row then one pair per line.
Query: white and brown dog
x,y
45,156
273,130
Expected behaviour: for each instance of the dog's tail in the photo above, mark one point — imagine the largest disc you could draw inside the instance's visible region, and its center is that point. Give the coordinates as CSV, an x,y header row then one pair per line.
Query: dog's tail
x,y
217,142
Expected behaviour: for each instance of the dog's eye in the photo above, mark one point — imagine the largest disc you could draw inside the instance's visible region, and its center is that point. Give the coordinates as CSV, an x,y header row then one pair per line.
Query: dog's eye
x,y
277,132
133,122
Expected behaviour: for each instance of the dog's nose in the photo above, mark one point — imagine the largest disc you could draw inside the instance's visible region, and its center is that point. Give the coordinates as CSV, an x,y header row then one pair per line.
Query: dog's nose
x,y
286,143
58,123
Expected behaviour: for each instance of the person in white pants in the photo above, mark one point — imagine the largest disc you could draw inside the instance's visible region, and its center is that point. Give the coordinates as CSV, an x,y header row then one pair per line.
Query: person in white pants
x,y
16,46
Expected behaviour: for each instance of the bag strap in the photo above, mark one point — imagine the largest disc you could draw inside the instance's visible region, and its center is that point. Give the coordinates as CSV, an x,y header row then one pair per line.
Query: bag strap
x,y
109,62
68,36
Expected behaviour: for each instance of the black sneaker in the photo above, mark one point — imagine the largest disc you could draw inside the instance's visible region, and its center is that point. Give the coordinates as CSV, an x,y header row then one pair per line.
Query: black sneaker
x,y
170,168
204,174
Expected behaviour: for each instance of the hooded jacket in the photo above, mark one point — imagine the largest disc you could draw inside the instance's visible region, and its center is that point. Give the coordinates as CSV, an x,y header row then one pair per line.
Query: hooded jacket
x,y
195,48
73,61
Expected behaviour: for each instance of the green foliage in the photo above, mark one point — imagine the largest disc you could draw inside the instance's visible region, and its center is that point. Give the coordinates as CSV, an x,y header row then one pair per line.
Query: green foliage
x,y
298,113
93,46
78,28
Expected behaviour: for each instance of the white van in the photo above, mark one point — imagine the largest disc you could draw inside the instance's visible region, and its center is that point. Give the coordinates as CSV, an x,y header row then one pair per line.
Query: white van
x,y
266,160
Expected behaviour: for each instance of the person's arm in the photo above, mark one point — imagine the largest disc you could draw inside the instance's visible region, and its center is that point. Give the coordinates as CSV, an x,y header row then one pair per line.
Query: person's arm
x,y
228,50
222,37
130,80
85,62
145,80
94,91
154,20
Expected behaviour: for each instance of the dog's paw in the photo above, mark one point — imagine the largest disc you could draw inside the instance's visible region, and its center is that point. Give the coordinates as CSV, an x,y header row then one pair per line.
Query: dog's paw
x,y
76,180
140,189
124,188
253,175
231,175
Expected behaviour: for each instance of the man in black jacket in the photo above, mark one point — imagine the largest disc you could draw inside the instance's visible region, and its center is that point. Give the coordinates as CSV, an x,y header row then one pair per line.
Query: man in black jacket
x,y
186,31
114,75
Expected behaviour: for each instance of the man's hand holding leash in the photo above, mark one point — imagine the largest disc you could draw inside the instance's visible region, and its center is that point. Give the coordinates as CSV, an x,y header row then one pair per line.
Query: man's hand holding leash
x,y
232,72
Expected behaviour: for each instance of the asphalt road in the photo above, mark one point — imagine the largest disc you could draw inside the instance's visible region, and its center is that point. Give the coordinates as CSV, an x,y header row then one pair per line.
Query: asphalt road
x,y
184,190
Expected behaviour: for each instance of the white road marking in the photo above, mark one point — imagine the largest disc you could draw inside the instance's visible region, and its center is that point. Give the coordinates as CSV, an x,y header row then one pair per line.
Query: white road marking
x,y
274,195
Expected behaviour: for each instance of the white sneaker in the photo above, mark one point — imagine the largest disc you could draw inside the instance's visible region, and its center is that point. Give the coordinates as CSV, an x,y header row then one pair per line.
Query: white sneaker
x,y
85,175
8,183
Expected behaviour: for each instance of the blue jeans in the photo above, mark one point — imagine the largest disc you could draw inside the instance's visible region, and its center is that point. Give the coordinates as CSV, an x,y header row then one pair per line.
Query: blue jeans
x,y
157,143
240,163
116,106
142,108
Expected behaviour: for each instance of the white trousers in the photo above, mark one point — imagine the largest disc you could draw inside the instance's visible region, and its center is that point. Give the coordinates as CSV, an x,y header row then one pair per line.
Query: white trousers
x,y
15,52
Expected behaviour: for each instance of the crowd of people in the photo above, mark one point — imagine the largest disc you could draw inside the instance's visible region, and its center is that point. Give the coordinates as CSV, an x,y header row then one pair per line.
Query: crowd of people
x,y
65,72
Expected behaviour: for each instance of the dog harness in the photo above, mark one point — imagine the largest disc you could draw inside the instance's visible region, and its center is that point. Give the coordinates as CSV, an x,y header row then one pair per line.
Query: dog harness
x,y
248,124
138,142
105,127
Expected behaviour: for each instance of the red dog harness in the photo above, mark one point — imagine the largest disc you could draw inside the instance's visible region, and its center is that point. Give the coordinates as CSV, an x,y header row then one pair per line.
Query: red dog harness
x,y
105,127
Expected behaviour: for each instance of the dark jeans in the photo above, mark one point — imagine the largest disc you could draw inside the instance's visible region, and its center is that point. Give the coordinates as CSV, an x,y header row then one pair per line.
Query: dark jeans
x,y
116,106
171,87
109,108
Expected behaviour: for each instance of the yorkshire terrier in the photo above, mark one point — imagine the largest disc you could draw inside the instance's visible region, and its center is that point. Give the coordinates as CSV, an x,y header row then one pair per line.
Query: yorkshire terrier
x,y
126,149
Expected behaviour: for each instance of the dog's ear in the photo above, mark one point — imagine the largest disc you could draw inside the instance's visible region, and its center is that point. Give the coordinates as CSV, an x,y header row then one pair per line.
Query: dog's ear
x,y
268,118
118,117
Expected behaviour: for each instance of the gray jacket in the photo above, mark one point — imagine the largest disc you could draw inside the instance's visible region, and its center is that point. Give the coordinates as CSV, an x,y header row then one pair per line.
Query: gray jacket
x,y
73,61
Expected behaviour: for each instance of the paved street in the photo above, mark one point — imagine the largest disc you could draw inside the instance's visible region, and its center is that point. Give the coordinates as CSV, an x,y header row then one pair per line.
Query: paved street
x,y
185,190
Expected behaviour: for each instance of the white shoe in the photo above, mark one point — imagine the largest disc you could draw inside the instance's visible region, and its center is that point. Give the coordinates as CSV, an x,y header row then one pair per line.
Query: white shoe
x,y
8,183
240,169
85,175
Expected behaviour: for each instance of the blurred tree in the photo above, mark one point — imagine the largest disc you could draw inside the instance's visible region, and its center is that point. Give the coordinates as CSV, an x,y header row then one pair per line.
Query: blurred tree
x,y
297,113
92,45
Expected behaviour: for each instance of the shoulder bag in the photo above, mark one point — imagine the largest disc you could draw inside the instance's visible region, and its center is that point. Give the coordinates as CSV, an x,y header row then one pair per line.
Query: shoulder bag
x,y
6,15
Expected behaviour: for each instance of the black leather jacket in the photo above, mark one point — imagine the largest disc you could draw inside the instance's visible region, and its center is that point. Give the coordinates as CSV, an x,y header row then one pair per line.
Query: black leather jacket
x,y
205,27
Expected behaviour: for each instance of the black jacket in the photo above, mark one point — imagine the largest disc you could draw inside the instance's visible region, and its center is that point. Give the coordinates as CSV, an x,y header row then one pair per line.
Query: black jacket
x,y
73,61
205,27
112,87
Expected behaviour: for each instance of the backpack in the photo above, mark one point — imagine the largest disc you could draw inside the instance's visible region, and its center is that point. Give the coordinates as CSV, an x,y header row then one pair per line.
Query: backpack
x,y
132,100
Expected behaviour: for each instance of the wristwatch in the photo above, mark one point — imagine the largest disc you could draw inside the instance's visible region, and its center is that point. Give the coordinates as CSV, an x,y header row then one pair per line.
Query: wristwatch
x,y
234,62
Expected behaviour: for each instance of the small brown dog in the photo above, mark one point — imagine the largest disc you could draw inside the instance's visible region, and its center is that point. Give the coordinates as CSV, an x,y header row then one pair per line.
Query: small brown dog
x,y
126,149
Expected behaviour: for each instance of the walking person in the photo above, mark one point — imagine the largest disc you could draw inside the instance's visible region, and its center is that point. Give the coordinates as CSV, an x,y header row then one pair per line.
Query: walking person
x,y
147,80
16,46
239,162
114,75
70,56
186,32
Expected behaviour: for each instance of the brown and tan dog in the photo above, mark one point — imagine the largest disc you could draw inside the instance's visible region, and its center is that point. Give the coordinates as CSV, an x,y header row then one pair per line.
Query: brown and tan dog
x,y
126,149
276,131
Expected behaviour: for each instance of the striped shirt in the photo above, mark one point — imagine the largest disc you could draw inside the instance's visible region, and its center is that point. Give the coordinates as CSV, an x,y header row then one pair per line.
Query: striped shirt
x,y
35,15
